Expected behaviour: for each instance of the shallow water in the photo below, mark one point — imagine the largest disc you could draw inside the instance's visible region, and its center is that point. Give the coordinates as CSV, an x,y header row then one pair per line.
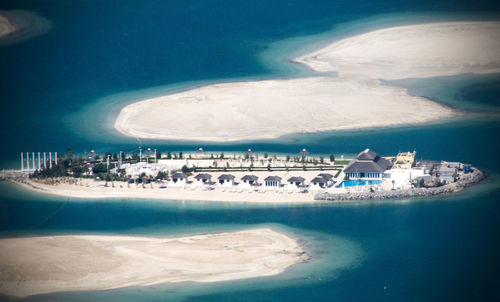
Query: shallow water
x,y
59,90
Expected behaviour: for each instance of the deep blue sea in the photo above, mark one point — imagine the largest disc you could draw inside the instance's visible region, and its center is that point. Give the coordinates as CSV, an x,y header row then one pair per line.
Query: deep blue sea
x,y
62,89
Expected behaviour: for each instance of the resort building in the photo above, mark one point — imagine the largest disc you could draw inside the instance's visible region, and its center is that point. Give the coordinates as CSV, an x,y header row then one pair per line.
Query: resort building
x,y
178,179
367,165
404,171
402,178
272,181
203,179
318,183
404,160
248,181
329,179
225,181
296,182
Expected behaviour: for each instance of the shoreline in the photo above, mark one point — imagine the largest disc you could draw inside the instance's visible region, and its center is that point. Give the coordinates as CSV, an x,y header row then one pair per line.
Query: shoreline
x,y
468,181
340,195
96,262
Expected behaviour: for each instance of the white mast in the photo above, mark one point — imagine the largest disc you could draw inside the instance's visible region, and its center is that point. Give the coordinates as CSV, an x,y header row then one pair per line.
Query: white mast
x,y
22,161
50,160
34,166
39,166
56,158
45,160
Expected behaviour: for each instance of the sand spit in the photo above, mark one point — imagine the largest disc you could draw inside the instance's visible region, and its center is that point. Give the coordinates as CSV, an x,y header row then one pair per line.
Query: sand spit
x,y
416,51
36,265
273,108
19,25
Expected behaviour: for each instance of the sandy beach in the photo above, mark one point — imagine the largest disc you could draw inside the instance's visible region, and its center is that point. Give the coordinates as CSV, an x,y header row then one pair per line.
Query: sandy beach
x,y
89,188
36,265
416,51
273,108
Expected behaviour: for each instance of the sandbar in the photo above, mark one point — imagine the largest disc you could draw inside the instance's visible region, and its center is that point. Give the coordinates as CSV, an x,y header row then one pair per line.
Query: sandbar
x,y
36,265
272,108
413,51
6,28
19,25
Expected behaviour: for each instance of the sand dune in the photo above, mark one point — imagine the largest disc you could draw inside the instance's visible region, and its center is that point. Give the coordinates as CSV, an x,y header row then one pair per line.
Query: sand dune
x,y
416,51
273,108
36,265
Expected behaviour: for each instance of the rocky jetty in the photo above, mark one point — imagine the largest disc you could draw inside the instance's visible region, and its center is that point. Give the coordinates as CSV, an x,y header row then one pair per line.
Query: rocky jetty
x,y
465,180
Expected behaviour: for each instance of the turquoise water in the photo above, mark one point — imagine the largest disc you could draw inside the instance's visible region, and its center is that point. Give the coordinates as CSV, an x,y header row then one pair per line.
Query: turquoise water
x,y
62,89
359,182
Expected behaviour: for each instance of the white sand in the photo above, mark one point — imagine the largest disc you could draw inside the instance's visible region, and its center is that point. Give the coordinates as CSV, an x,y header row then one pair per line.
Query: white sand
x,y
94,189
6,28
426,50
36,265
273,108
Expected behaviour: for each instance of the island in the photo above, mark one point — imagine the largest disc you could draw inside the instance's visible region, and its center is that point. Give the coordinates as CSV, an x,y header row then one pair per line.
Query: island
x,y
36,265
19,25
273,108
413,51
356,98
242,177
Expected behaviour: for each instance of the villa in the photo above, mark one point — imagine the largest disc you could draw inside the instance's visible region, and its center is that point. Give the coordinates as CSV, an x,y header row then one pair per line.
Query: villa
x,y
367,165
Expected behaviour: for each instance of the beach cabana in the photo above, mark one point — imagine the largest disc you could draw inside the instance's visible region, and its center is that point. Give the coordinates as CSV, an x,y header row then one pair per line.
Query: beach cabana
x,y
328,177
248,181
178,179
272,181
203,179
295,182
318,183
225,180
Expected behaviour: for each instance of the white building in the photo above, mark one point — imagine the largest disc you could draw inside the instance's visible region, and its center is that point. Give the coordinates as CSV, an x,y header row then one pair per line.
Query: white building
x,y
295,183
318,183
272,182
179,179
202,180
225,181
249,181
402,178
